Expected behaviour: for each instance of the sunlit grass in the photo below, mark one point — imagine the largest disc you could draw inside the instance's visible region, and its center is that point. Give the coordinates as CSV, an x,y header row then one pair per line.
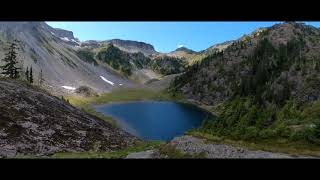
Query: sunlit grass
x,y
121,95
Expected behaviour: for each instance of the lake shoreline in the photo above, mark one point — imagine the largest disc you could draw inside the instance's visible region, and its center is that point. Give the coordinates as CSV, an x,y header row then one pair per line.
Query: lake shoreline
x,y
141,95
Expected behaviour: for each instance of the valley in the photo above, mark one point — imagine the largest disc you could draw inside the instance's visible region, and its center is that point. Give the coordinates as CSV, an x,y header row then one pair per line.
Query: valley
x,y
263,90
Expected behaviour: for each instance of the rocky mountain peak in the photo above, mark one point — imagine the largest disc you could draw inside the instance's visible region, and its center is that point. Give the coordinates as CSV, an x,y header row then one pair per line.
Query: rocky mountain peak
x,y
133,46
184,49
64,34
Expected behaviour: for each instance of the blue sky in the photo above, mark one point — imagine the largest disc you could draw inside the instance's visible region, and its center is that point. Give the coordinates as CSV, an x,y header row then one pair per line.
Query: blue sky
x,y
165,36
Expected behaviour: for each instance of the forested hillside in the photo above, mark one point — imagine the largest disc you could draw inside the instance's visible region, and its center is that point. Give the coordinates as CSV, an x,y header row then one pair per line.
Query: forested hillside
x,y
264,85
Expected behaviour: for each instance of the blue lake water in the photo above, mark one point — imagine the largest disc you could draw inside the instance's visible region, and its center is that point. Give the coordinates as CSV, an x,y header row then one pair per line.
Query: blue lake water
x,y
155,120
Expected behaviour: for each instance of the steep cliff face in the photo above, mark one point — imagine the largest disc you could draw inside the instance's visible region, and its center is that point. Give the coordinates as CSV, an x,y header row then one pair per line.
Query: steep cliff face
x,y
133,46
33,122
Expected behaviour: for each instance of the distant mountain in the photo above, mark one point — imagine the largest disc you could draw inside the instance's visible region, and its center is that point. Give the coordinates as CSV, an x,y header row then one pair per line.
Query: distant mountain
x,y
183,52
192,57
124,45
90,44
135,60
128,63
66,36
184,49
133,46
120,60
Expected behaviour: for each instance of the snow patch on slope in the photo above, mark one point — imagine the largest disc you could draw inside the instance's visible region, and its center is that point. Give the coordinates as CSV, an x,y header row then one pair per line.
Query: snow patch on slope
x,y
106,80
65,39
70,40
73,40
69,87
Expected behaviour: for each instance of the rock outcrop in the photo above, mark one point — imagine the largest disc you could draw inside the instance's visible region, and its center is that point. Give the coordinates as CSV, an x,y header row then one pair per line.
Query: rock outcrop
x,y
35,123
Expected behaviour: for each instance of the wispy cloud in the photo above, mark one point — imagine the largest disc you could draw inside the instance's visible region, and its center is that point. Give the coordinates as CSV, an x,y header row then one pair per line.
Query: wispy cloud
x,y
180,45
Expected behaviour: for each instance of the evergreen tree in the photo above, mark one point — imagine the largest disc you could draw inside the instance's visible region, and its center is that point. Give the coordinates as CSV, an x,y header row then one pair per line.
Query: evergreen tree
x,y
31,76
16,73
10,68
41,79
27,74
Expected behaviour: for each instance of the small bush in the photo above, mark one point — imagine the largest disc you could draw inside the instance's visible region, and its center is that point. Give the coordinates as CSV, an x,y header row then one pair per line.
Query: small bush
x,y
86,91
251,133
267,133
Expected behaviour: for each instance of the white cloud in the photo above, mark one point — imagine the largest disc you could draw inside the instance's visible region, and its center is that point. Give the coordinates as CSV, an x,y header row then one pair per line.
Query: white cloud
x,y
180,45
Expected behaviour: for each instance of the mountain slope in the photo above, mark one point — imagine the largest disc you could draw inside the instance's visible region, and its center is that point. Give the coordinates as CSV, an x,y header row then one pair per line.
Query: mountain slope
x,y
33,122
124,45
103,66
285,52
217,47
134,65
188,55
264,85
182,52
121,60
55,52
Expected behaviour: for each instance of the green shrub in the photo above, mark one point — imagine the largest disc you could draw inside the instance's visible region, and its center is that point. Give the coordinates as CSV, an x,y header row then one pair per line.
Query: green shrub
x,y
267,133
289,114
282,130
241,118
251,133
87,56
312,111
168,65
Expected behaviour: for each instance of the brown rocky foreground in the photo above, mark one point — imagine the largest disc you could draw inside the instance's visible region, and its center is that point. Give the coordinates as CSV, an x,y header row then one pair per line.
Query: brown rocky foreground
x,y
35,123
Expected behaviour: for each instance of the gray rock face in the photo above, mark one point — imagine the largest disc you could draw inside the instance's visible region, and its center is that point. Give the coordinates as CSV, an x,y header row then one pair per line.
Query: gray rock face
x,y
193,145
149,154
133,46
33,122
90,44
63,33
54,52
